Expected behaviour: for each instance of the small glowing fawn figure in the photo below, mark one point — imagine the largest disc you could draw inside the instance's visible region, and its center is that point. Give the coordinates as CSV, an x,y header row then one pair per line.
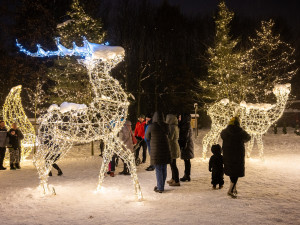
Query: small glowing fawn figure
x,y
71,123
256,119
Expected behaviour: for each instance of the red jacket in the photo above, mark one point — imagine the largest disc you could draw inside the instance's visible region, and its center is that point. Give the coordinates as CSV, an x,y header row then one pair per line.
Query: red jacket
x,y
139,130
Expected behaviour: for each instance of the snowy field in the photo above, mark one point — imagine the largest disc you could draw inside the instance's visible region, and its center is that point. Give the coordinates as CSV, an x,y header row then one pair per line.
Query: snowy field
x,y
269,194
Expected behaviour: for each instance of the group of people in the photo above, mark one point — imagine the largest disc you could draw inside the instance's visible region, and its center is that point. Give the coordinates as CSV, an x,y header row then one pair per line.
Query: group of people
x,y
12,140
166,141
171,138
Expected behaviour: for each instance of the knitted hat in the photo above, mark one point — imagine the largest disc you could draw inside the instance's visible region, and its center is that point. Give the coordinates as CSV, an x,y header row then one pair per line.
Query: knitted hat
x,y
234,121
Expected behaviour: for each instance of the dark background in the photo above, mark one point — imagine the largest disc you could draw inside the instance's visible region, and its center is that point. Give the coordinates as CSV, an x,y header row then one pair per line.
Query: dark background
x,y
167,40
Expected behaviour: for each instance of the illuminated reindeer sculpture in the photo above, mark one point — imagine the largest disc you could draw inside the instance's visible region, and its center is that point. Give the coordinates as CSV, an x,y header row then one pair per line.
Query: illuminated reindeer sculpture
x,y
256,119
72,123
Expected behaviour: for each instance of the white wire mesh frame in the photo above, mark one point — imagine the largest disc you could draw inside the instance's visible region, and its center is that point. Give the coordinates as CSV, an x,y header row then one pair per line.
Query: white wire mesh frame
x,y
13,112
101,120
255,120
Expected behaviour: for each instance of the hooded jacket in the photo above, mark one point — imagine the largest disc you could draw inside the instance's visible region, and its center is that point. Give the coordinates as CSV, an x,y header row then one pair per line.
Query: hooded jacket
x,y
157,133
186,137
173,136
233,148
126,135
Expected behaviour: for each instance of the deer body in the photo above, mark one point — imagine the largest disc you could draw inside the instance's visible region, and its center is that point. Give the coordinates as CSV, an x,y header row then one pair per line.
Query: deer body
x,y
63,126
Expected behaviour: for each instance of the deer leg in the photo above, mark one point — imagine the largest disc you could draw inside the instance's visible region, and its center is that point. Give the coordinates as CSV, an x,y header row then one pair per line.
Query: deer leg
x,y
44,158
250,146
128,157
260,145
107,156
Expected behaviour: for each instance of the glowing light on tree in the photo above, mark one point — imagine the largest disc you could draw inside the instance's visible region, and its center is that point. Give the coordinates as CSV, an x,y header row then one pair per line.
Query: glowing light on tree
x,y
256,119
13,112
68,123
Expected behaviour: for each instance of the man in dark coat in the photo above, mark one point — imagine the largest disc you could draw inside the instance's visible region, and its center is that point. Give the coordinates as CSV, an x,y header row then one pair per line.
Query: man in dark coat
x,y
3,143
234,138
186,145
15,138
157,134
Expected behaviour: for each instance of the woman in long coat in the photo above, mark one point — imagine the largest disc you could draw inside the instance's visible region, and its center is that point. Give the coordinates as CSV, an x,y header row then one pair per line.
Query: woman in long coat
x,y
157,133
186,145
233,148
174,148
126,136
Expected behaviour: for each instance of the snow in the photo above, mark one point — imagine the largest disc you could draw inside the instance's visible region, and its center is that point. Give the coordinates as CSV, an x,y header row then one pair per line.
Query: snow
x,y
67,107
268,194
105,52
64,23
225,101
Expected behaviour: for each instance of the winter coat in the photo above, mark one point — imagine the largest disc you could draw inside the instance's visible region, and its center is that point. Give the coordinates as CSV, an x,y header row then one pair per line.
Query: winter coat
x,y
139,130
173,136
126,135
185,137
158,133
3,137
233,148
15,140
147,141
216,165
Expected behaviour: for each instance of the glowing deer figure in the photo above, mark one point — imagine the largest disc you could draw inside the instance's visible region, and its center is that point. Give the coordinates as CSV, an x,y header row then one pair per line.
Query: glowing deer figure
x,y
62,126
256,119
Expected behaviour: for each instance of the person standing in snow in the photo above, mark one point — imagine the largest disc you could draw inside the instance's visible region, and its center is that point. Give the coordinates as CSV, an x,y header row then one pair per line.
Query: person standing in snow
x,y
3,143
126,136
174,148
216,167
15,138
157,133
148,122
186,145
139,133
233,148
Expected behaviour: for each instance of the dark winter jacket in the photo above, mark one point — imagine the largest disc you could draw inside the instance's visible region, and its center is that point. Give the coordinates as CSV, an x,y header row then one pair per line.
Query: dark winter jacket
x,y
173,136
15,140
216,163
3,137
158,133
233,148
185,137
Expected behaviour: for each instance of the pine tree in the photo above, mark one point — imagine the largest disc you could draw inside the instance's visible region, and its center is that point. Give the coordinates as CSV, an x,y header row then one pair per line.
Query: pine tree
x,y
271,61
225,77
70,78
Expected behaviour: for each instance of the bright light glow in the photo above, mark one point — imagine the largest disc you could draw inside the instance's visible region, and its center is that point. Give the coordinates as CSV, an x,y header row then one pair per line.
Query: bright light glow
x,y
256,119
13,112
62,126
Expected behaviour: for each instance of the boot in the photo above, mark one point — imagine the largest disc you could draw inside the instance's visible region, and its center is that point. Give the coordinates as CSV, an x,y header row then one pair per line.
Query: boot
x,y
214,187
17,165
112,174
12,167
220,186
234,190
50,174
59,173
174,184
230,191
170,181
185,178
2,168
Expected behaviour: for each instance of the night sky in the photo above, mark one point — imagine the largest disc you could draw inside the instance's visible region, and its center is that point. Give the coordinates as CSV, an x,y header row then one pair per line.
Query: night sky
x,y
288,9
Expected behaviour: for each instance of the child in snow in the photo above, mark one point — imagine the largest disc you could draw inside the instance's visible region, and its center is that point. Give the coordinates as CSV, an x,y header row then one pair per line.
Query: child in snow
x,y
216,167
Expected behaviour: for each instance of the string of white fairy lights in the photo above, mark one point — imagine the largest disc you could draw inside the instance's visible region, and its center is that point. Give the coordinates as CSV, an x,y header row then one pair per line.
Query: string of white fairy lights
x,y
68,123
256,119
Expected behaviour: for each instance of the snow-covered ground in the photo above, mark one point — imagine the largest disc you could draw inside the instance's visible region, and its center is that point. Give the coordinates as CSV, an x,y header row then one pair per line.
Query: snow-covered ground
x,y
269,194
